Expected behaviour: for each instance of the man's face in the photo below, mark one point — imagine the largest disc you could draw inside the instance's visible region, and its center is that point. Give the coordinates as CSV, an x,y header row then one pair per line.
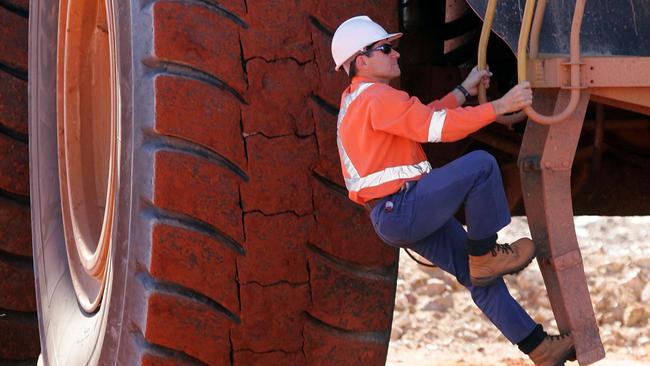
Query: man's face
x,y
381,65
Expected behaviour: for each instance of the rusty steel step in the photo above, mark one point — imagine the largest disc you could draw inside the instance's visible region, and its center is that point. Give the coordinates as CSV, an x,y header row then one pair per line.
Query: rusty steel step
x,y
545,162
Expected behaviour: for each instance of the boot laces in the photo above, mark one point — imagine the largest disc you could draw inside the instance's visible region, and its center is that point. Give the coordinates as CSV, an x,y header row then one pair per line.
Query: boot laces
x,y
505,248
558,337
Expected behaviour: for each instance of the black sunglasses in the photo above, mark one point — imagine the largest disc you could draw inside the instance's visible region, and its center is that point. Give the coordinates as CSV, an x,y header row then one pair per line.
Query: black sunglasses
x,y
385,48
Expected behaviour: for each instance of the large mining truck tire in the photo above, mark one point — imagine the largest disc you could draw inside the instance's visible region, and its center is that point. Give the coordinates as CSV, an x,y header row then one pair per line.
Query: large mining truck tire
x,y
18,320
232,241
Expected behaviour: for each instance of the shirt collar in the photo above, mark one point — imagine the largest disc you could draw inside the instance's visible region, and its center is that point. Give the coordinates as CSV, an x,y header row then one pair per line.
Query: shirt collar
x,y
362,79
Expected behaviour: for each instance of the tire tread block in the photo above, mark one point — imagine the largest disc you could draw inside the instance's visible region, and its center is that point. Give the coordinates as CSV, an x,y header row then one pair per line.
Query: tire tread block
x,y
188,326
278,97
15,228
17,286
248,358
279,170
201,38
275,249
13,103
344,299
13,40
14,166
271,317
329,165
332,13
193,186
200,113
344,230
332,82
182,257
324,347
236,7
278,29
149,359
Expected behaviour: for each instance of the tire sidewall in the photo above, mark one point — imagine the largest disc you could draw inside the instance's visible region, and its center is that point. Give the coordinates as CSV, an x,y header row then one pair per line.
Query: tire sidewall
x,y
69,336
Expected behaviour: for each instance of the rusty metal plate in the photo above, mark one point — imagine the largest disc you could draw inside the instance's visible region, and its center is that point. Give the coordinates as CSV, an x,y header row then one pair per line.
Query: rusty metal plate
x,y
608,28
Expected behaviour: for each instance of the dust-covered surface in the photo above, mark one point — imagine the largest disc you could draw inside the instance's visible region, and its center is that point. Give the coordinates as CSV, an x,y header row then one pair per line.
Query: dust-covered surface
x,y
436,322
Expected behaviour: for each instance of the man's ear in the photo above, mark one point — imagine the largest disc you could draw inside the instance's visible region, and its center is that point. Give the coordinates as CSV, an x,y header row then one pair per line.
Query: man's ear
x,y
360,62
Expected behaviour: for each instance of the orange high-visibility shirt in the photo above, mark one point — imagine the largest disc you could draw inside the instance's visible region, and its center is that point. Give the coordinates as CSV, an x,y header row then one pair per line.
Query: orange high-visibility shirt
x,y
379,131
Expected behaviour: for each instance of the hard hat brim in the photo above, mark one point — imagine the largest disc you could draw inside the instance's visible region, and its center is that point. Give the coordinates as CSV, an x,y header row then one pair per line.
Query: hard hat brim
x,y
389,37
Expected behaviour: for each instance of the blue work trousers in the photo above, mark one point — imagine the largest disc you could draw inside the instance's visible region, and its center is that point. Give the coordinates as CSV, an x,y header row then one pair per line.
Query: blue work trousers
x,y
421,217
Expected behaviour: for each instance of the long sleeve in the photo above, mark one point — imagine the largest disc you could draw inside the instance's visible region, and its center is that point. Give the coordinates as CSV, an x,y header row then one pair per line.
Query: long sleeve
x,y
463,121
394,112
449,101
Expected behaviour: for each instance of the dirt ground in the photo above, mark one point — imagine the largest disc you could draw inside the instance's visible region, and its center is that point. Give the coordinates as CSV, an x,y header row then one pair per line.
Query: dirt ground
x,y
436,323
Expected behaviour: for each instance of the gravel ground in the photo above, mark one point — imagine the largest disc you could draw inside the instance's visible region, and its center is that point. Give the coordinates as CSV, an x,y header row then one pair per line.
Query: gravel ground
x,y
436,323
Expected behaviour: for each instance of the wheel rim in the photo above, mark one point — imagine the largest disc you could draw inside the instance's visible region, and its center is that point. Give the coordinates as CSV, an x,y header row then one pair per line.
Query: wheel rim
x,y
87,130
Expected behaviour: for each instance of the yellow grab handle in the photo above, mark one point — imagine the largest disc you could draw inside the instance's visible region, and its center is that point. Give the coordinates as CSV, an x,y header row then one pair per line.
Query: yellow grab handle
x,y
576,25
482,63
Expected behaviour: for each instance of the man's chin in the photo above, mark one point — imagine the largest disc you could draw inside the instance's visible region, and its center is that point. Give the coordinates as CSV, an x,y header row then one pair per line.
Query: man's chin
x,y
394,79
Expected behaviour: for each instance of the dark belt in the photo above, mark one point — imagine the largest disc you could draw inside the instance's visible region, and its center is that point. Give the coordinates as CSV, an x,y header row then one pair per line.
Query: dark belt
x,y
369,205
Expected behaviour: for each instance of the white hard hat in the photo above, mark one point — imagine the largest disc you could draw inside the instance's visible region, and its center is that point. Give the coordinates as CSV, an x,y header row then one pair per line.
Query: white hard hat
x,y
353,35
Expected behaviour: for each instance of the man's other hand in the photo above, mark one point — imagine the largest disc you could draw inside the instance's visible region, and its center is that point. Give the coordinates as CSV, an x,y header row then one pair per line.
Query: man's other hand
x,y
474,78
515,99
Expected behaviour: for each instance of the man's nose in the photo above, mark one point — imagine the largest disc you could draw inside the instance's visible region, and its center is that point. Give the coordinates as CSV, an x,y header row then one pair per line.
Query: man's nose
x,y
395,53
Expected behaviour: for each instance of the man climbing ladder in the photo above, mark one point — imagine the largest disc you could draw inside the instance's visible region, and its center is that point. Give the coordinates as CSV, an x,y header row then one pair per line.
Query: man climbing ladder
x,y
411,205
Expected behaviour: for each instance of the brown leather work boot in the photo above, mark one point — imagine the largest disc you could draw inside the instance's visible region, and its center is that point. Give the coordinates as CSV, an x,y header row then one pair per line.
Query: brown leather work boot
x,y
554,351
503,259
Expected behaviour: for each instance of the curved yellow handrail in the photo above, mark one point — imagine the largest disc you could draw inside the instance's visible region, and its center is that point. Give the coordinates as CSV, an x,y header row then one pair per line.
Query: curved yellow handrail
x,y
482,45
575,87
482,64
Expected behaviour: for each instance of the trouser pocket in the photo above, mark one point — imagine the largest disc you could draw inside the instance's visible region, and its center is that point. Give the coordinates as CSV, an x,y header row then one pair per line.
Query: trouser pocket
x,y
392,220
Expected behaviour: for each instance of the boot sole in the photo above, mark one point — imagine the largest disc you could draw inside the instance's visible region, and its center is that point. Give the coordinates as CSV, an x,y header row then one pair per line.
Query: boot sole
x,y
569,356
487,281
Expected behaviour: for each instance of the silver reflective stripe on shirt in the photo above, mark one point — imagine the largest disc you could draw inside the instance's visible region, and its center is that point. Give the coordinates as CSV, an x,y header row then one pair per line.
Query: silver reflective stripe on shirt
x,y
355,182
435,126
387,175
347,163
